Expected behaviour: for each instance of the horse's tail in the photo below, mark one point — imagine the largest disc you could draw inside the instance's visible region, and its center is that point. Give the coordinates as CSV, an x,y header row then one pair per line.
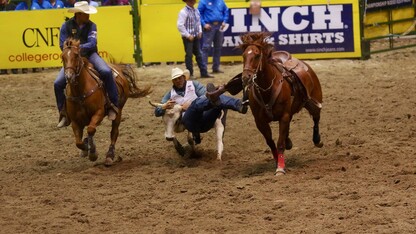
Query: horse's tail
x,y
131,77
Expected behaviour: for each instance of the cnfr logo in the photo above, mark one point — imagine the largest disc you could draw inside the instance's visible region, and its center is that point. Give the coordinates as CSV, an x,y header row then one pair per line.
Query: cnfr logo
x,y
36,37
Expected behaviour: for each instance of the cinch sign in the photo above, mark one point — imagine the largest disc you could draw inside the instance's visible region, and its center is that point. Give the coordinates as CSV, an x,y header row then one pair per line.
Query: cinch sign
x,y
312,29
297,29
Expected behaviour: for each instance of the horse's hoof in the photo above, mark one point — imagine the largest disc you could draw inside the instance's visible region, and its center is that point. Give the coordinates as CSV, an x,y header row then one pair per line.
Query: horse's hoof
x,y
108,162
319,145
93,157
288,144
280,171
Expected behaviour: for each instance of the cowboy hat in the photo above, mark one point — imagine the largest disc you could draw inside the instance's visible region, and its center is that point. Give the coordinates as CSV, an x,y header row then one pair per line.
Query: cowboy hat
x,y
177,72
83,7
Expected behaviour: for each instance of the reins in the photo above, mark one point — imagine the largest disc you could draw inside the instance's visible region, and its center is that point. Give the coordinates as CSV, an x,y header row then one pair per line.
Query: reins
x,y
259,98
77,70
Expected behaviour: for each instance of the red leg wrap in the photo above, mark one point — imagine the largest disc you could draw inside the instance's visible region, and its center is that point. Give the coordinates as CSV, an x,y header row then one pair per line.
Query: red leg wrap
x,y
280,161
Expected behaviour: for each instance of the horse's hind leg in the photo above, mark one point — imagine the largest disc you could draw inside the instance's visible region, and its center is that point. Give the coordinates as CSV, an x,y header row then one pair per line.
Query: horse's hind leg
x,y
315,110
288,141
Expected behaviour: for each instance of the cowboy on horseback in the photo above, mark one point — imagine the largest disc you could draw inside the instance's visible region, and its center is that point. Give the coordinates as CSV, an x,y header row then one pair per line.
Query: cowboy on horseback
x,y
82,28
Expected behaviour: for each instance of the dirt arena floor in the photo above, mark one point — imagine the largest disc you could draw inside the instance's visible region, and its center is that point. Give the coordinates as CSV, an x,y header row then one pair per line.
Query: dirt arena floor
x,y
362,181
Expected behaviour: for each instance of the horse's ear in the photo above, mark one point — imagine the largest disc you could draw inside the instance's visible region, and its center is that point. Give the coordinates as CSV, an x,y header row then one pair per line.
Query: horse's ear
x,y
246,40
269,50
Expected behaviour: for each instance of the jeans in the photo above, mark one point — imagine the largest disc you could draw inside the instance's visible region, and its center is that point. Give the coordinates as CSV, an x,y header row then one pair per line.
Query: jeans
x,y
209,37
193,48
201,115
105,74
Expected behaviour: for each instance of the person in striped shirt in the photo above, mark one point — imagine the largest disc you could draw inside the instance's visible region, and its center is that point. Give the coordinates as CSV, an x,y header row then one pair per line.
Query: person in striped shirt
x,y
189,26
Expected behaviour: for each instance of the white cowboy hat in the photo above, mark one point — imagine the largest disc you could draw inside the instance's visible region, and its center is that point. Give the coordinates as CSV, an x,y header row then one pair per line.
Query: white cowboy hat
x,y
83,7
177,72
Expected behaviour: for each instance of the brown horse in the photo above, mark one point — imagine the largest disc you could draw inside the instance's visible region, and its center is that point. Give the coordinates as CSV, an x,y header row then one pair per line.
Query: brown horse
x,y
278,86
86,98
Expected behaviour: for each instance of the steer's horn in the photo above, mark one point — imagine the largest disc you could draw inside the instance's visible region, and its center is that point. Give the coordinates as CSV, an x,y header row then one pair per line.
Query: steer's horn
x,y
155,104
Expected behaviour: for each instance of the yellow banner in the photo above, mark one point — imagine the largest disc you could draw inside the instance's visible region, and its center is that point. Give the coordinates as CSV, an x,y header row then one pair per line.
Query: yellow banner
x,y
161,41
32,40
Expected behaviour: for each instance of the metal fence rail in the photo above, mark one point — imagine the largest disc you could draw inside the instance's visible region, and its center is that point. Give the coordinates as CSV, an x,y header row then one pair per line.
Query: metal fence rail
x,y
391,39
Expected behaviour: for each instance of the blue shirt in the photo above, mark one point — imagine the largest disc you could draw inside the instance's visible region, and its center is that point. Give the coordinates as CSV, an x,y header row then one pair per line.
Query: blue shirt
x,y
91,42
213,11
200,90
58,4
34,6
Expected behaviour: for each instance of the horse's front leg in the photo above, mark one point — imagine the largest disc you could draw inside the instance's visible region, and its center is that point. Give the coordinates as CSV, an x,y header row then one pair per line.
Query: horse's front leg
x,y
91,129
284,125
78,132
109,158
266,131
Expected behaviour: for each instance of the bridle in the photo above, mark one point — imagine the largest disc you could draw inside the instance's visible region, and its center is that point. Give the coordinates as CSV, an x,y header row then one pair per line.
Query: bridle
x,y
77,69
252,83
258,68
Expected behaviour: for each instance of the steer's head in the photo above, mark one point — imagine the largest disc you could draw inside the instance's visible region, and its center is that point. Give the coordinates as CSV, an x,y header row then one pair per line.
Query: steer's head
x,y
172,119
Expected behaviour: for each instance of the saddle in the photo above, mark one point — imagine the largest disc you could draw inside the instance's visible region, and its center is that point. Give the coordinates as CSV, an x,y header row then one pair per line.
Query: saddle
x,y
294,71
94,73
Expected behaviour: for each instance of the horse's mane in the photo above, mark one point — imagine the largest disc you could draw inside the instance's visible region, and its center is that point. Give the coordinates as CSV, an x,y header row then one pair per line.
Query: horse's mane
x,y
259,39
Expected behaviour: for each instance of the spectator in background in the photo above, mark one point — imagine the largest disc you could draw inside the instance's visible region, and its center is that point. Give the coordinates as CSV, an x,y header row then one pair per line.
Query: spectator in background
x,y
69,3
189,26
214,16
93,3
3,4
115,2
33,5
57,4
6,5
25,5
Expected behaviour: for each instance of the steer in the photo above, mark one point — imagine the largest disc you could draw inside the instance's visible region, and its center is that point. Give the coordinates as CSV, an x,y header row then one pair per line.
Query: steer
x,y
173,124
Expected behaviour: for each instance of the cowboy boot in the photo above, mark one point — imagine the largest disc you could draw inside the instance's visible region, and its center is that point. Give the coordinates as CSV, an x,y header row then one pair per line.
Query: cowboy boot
x,y
64,121
213,93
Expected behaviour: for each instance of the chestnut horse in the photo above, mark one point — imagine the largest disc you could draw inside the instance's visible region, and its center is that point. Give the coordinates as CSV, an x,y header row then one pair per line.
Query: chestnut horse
x,y
278,86
86,98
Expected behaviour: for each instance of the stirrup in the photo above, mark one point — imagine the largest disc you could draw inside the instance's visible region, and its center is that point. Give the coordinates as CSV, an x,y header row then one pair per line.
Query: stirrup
x,y
112,112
